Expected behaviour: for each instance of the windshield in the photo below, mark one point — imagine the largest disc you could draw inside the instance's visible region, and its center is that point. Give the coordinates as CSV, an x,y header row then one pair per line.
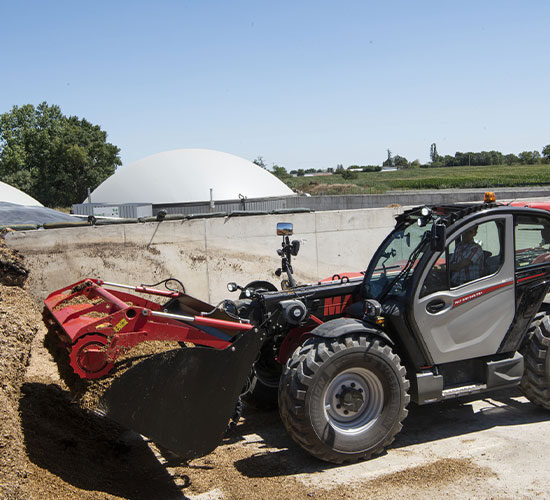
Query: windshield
x,y
394,260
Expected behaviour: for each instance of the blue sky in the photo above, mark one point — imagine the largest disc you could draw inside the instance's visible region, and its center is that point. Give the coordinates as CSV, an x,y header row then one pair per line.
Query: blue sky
x,y
303,83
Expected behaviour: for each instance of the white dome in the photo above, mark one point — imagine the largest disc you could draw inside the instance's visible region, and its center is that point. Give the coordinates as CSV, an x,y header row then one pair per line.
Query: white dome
x,y
13,195
185,175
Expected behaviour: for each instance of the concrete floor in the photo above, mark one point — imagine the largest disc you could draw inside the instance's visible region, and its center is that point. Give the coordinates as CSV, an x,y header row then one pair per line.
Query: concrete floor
x,y
498,448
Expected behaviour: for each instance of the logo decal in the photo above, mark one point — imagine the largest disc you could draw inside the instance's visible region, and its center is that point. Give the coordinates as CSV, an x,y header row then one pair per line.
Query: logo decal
x,y
335,305
120,325
475,295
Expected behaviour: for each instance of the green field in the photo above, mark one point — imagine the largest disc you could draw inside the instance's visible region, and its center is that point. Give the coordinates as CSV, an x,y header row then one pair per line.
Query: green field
x,y
492,176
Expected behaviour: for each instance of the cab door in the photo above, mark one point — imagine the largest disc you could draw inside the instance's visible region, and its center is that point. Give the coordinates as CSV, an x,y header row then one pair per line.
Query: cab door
x,y
465,312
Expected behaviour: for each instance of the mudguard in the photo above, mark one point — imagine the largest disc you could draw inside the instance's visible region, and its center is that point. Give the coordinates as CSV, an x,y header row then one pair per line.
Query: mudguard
x,y
344,326
183,399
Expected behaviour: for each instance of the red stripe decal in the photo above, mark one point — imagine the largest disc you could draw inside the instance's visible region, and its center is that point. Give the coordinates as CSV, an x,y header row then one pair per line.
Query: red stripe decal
x,y
531,277
475,295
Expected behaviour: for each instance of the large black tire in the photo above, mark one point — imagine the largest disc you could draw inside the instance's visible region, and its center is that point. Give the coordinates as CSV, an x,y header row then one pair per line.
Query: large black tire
x,y
535,383
344,399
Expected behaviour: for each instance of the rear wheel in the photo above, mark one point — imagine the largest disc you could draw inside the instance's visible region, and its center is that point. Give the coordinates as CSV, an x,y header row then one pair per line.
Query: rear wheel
x,y
343,399
535,383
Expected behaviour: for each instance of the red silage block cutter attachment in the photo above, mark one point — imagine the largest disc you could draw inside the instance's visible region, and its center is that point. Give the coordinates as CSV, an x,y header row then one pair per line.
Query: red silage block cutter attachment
x,y
98,324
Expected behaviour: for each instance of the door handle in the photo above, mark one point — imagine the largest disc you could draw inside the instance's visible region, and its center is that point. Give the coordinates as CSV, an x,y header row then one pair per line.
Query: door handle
x,y
435,306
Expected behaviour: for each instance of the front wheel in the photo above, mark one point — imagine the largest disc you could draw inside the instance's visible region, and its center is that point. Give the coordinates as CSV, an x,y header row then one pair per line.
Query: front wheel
x,y
344,399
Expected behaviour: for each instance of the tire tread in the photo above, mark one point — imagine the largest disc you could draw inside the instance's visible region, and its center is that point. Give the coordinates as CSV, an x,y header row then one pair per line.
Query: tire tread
x,y
535,383
295,383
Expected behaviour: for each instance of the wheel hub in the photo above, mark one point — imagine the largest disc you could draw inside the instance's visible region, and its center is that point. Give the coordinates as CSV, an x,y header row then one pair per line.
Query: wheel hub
x,y
350,398
354,400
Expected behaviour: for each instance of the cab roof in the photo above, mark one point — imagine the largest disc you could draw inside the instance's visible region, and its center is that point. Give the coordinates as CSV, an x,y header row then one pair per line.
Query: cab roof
x,y
449,214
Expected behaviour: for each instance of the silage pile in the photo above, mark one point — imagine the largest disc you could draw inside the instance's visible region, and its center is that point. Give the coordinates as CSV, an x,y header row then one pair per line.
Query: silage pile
x,y
18,325
49,446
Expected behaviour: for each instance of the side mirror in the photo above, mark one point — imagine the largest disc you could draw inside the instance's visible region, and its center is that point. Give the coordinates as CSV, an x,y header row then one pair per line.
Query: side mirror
x,y
232,287
284,228
295,247
437,242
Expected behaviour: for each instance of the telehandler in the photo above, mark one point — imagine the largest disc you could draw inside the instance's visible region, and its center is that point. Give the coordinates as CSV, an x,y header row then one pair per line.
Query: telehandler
x,y
451,304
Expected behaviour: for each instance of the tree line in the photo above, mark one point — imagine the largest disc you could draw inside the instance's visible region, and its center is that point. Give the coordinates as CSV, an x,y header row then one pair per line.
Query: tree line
x,y
489,158
471,158
459,159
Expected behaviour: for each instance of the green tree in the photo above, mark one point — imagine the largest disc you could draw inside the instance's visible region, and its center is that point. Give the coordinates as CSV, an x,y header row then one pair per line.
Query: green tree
x,y
52,157
433,152
511,159
400,161
260,162
546,153
527,157
280,172
388,162
349,174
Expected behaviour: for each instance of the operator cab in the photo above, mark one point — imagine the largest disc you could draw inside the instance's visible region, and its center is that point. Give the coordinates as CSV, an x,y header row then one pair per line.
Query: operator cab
x,y
466,292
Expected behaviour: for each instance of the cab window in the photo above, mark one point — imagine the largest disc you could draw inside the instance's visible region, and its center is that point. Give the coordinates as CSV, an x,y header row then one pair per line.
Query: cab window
x,y
532,241
477,252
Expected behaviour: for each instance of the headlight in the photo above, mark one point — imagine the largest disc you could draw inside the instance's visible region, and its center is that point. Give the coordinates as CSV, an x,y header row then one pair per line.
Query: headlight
x,y
372,308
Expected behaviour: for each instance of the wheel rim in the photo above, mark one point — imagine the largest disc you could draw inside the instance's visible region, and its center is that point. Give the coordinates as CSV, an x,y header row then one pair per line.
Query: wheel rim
x,y
353,401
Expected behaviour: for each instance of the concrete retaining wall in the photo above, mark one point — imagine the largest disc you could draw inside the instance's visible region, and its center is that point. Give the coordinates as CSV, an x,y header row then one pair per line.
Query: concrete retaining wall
x,y
351,202
205,254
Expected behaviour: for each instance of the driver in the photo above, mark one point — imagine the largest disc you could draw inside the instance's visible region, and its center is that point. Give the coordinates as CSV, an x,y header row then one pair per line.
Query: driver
x,y
466,262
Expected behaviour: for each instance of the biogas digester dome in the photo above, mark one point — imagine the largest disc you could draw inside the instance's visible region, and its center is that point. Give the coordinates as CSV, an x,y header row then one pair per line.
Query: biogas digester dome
x,y
10,194
185,175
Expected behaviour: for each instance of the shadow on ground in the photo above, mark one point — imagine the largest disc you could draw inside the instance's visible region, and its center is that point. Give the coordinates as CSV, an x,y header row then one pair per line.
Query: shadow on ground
x,y
87,451
424,424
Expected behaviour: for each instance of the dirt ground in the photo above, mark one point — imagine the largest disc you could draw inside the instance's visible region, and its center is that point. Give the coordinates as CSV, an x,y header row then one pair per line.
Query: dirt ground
x,y
50,447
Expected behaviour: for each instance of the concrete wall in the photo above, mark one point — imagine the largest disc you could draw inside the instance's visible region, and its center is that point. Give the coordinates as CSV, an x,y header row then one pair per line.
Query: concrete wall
x,y
205,254
350,202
